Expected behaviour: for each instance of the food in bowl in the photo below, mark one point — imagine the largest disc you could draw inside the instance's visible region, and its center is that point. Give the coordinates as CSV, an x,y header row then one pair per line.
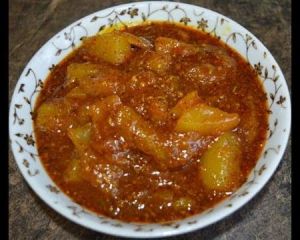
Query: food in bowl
x,y
152,123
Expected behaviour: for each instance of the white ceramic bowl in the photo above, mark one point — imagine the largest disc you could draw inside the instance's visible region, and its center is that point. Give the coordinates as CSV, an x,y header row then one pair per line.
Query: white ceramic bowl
x,y
36,71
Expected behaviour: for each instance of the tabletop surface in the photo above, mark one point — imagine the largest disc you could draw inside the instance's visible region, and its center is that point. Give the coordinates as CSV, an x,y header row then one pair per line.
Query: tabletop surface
x,y
32,23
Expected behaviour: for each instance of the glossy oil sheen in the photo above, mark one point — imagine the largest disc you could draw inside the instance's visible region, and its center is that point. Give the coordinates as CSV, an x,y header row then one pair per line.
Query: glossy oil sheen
x,y
137,188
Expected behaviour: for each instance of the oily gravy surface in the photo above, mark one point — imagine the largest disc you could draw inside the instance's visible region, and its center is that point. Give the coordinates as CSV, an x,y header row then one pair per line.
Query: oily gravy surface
x,y
151,124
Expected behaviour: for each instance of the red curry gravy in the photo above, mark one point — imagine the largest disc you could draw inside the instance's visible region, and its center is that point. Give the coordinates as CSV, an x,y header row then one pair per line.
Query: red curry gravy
x,y
142,126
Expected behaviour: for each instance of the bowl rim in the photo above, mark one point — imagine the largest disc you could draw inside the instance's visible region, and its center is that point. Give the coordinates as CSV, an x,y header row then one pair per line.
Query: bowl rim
x,y
165,233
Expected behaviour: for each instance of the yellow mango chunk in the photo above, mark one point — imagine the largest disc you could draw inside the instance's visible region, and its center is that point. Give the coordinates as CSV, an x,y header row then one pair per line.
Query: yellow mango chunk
x,y
136,130
219,167
158,63
188,101
45,113
80,136
110,47
174,47
52,116
206,120
78,71
73,171
76,93
99,110
93,80
102,88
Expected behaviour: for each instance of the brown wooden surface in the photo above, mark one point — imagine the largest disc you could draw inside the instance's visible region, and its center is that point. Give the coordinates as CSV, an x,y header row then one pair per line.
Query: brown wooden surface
x,y
33,22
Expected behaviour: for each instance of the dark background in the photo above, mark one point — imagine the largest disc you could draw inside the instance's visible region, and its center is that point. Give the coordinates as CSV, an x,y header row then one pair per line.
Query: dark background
x,y
33,22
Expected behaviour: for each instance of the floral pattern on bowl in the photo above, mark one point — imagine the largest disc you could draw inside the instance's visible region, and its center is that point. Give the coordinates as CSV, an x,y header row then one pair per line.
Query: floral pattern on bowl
x,y
31,82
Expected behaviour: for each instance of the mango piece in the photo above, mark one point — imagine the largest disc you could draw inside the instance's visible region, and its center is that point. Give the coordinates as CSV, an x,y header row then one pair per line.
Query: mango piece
x,y
45,113
136,130
76,93
102,88
52,116
99,110
93,80
110,47
205,74
219,167
80,136
189,100
174,47
81,166
158,63
78,71
206,120
73,171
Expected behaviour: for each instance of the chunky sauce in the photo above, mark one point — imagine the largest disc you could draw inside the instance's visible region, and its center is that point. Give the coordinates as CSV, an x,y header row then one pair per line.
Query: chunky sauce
x,y
108,135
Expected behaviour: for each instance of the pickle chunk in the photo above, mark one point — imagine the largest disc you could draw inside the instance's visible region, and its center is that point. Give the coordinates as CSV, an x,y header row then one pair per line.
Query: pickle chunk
x,y
136,130
93,80
189,100
52,116
206,120
174,47
114,47
80,136
73,171
220,165
119,49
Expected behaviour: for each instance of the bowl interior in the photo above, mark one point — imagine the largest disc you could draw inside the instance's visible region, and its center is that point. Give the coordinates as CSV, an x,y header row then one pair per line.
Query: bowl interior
x,y
31,82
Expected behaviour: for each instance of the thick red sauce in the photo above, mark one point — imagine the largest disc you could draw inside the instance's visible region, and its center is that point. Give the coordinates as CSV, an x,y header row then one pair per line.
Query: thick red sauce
x,y
113,173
